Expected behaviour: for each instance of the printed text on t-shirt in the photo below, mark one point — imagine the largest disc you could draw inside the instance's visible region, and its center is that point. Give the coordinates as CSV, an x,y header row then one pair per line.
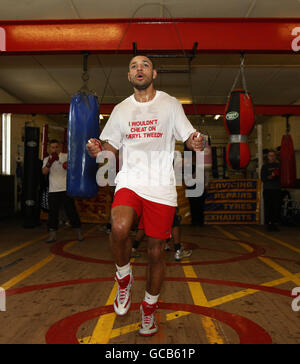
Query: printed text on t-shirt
x,y
143,129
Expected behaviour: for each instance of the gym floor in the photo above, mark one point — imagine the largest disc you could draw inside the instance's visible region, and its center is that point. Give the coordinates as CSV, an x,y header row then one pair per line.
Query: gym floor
x,y
236,288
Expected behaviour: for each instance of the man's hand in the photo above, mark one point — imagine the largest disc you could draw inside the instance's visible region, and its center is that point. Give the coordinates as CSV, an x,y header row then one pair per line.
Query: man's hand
x,y
197,142
94,147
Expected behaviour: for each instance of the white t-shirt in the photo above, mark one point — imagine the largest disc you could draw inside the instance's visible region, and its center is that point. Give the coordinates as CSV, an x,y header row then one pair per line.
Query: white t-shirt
x,y
146,133
57,174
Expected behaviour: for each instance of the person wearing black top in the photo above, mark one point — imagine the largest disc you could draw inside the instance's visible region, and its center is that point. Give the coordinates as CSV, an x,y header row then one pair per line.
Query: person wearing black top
x,y
270,175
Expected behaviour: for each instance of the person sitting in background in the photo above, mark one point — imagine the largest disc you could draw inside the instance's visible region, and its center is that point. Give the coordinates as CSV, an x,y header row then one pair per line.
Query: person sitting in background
x,y
56,166
270,176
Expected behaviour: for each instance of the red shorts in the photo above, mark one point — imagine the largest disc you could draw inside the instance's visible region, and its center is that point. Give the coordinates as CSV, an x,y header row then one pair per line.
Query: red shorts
x,y
156,219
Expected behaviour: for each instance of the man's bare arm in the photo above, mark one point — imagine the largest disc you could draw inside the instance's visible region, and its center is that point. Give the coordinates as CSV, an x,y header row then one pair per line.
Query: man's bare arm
x,y
109,147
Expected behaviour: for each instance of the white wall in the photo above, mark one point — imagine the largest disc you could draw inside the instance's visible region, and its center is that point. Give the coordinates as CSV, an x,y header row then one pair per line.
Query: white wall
x,y
18,124
5,98
18,127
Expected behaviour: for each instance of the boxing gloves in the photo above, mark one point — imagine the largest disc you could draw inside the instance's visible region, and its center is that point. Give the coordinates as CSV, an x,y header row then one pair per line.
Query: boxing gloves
x,y
275,174
52,158
55,157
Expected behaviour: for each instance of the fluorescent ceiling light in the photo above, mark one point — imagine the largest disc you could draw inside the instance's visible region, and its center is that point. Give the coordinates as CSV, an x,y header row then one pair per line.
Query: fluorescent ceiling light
x,y
6,144
217,117
185,101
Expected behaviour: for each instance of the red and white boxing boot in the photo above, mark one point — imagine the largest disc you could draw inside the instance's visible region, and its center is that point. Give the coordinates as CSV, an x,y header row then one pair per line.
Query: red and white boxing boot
x,y
123,298
149,325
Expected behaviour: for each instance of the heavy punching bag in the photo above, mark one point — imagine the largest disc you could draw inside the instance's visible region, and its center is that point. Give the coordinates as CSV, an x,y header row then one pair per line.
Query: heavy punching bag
x,y
31,179
215,167
239,122
83,125
45,141
288,162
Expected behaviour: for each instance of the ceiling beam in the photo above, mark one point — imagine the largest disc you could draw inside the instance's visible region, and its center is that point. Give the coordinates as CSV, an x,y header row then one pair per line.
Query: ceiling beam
x,y
214,35
190,109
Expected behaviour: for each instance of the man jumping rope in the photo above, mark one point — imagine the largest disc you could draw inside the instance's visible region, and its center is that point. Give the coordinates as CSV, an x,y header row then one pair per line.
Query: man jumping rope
x,y
145,124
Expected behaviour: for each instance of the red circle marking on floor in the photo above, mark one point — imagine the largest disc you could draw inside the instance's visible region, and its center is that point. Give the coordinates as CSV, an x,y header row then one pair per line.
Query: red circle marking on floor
x,y
65,331
40,287
58,249
193,246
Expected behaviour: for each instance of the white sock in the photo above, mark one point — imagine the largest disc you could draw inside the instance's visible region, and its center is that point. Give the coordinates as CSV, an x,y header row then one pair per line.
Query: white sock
x,y
124,271
151,300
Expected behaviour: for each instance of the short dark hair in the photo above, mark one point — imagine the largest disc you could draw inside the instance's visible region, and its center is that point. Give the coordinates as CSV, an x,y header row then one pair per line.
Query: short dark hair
x,y
53,141
143,55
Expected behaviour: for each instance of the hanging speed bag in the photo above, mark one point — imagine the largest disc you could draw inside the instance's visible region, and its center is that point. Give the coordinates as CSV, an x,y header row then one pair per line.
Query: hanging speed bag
x,y
238,155
239,122
288,162
83,125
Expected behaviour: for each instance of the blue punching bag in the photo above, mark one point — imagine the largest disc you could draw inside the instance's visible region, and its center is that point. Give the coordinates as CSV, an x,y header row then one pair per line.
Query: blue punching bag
x,y
83,125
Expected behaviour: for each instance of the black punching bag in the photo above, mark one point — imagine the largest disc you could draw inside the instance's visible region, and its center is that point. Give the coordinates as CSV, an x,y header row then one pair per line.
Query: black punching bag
x,y
215,167
31,179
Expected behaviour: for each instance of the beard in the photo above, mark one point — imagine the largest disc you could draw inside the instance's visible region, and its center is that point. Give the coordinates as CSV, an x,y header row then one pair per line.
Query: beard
x,y
141,86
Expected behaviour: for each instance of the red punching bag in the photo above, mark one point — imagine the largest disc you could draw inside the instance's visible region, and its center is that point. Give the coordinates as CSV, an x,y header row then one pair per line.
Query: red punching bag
x,y
239,122
288,162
